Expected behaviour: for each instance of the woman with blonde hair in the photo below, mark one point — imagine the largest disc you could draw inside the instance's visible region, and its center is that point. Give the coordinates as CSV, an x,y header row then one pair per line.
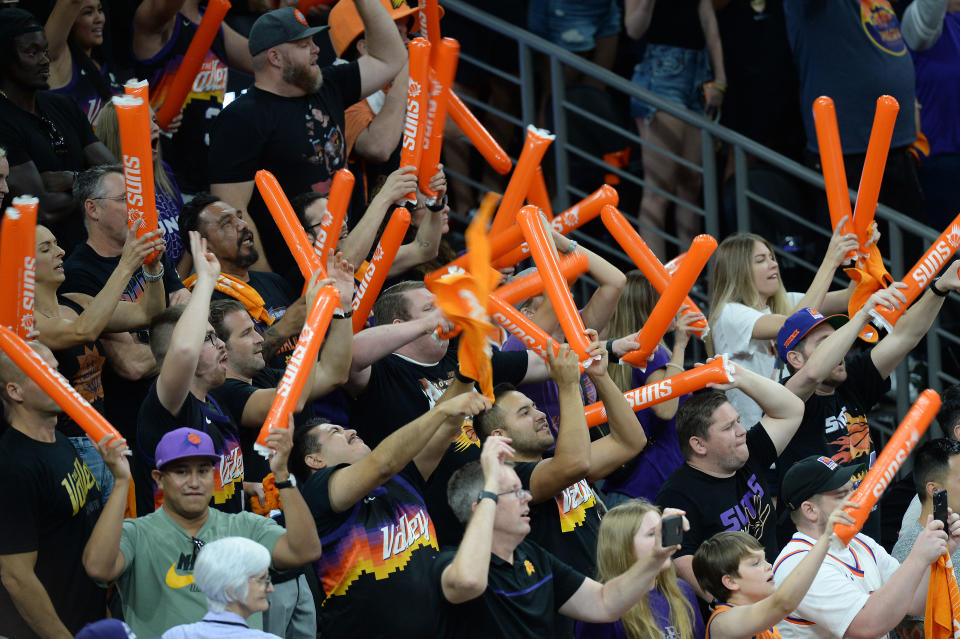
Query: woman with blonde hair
x,y
643,476
748,304
670,608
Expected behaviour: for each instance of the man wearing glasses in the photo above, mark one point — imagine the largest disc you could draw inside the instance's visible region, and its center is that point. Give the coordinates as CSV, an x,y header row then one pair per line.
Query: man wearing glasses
x,y
152,558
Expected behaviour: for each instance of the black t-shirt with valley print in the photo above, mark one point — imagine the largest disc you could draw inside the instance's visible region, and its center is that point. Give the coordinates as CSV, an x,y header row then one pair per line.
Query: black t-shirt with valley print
x,y
187,150
567,524
713,504
53,503
277,295
155,421
300,140
522,598
375,568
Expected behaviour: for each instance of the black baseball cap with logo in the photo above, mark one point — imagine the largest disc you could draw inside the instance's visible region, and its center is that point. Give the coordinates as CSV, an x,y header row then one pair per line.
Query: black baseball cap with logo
x,y
812,476
279,26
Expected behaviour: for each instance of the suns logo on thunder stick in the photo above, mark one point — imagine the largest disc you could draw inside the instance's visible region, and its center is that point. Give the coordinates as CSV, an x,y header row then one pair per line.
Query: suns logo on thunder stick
x,y
935,260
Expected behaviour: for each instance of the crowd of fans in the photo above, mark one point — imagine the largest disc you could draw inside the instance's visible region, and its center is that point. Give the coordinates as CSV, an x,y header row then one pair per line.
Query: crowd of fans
x,y
400,501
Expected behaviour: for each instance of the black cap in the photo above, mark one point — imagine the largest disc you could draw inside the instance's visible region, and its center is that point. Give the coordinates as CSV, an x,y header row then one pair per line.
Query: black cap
x,y
15,22
812,476
279,26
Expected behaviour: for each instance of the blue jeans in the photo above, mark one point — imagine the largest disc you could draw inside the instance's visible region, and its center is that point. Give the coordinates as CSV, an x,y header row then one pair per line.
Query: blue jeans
x,y
87,452
673,73
575,25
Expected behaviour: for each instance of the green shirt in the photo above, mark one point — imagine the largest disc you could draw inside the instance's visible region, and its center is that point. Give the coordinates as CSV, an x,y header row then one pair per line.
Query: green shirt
x,y
156,585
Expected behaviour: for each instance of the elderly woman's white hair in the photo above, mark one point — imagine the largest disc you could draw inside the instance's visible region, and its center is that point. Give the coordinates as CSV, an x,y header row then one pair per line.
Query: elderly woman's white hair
x,y
224,567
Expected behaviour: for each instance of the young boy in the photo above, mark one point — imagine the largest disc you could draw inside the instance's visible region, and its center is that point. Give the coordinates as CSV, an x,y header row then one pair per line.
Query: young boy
x,y
732,568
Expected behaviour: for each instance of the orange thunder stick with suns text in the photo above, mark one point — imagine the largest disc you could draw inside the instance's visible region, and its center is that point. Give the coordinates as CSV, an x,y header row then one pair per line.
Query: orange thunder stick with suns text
x,y
183,81
671,299
133,119
879,477
714,372
444,56
299,365
522,327
411,146
56,386
646,261
555,286
376,272
921,274
290,227
534,148
18,265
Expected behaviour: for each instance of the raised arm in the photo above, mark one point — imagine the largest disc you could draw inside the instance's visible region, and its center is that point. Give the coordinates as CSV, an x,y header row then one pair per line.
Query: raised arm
x,y
186,342
381,137
333,367
836,255
57,30
351,484
356,246
153,26
385,50
102,558
782,410
426,244
611,280
571,459
922,23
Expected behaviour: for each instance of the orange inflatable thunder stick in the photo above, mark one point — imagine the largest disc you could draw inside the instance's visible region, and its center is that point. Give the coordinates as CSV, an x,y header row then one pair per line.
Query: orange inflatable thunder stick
x,y
922,273
671,299
646,261
293,233
133,118
554,284
411,146
538,195
880,476
337,201
192,61
533,150
137,89
876,159
831,161
715,372
441,79
298,366
429,22
521,326
491,151
18,265
376,273
56,386
571,267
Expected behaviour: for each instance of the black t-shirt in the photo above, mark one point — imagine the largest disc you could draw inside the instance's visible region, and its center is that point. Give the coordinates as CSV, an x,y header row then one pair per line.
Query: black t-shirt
x,y
155,421
375,568
83,367
566,525
521,599
713,504
277,295
51,507
676,24
53,141
300,140
187,150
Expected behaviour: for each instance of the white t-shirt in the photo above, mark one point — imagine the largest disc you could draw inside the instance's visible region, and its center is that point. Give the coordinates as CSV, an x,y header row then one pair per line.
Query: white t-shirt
x,y
839,591
732,335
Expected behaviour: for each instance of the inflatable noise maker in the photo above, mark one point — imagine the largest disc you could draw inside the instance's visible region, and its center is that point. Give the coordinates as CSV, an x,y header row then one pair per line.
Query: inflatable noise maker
x,y
290,227
18,265
411,145
137,89
376,272
332,222
717,371
185,76
444,57
882,474
133,118
534,148
298,366
56,386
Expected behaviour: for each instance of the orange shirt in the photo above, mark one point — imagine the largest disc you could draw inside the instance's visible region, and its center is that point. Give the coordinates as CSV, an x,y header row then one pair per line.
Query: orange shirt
x,y
769,633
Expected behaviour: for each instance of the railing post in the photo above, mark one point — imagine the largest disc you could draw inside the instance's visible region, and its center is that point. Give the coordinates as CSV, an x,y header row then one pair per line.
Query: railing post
x,y
558,93
711,206
528,100
741,181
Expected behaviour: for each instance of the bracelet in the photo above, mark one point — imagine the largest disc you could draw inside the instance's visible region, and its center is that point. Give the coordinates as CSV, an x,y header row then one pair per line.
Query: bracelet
x,y
436,207
339,314
610,349
938,291
719,86
676,366
152,278
290,482
486,494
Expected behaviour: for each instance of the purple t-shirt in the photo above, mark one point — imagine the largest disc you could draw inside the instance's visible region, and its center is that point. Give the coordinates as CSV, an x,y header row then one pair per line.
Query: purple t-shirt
x,y
661,611
938,88
661,456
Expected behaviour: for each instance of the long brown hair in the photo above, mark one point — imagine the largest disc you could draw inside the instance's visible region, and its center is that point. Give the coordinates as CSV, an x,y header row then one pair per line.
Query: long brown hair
x,y
616,554
634,307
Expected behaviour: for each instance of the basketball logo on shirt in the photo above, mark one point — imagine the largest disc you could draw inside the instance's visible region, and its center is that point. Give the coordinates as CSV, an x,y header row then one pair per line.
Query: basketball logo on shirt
x,y
882,27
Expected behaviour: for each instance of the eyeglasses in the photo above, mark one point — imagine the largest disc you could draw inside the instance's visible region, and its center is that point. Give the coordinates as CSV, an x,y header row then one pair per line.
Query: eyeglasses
x,y
519,493
116,198
263,581
212,338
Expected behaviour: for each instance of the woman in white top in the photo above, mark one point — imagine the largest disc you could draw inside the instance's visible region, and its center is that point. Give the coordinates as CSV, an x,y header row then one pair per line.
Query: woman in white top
x,y
748,304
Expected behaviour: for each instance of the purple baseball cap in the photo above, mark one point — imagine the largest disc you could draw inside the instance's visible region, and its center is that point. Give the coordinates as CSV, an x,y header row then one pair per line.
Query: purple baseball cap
x,y
184,442
799,324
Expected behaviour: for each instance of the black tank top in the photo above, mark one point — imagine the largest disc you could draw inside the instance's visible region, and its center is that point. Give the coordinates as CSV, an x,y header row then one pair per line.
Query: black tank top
x,y
676,23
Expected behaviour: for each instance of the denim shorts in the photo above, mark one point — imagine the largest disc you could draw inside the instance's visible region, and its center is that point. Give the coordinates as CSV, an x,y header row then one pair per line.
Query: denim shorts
x,y
574,25
673,73
94,461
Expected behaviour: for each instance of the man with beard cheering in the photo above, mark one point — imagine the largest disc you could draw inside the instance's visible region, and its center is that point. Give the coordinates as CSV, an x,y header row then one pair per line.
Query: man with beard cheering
x,y
291,121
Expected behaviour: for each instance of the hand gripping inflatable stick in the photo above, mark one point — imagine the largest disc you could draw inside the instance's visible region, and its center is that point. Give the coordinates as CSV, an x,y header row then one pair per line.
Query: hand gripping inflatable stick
x,y
183,81
376,273
18,265
411,146
880,476
441,79
290,227
716,372
671,299
56,386
298,366
519,325
133,118
646,261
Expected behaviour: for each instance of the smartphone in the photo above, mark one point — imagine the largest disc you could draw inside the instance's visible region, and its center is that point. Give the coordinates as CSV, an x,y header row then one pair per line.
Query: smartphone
x,y
671,531
940,507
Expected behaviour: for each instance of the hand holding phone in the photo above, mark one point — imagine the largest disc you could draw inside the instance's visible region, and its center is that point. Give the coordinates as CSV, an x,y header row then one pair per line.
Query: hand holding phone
x,y
671,531
940,509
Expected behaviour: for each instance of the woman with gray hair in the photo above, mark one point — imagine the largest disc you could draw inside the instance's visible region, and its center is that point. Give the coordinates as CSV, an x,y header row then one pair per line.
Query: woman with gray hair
x,y
233,573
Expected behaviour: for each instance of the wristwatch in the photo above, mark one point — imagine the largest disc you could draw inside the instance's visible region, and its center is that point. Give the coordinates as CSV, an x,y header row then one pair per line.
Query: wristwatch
x,y
486,494
290,482
936,290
